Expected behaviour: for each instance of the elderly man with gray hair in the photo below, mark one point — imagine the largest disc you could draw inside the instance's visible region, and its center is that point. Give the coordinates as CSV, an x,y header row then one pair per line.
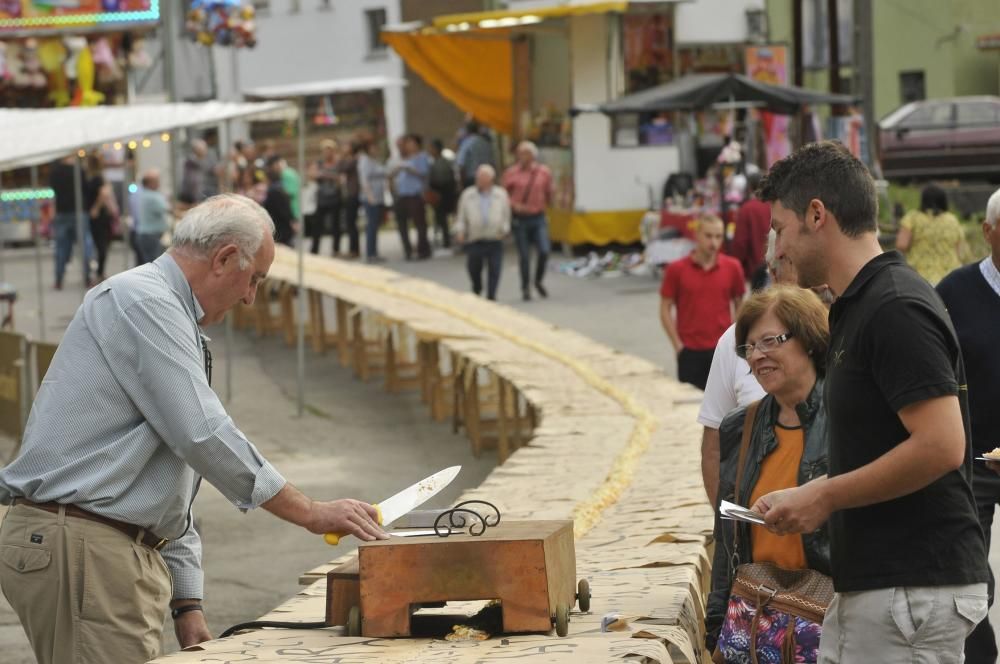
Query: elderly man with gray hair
x,y
972,295
529,185
101,536
483,221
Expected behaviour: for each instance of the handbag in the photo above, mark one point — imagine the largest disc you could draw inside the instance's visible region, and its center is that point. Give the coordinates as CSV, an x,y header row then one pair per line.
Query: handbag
x,y
431,197
774,615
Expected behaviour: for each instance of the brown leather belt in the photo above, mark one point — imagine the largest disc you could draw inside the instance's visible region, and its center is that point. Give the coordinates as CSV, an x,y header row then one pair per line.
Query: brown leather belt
x,y
148,538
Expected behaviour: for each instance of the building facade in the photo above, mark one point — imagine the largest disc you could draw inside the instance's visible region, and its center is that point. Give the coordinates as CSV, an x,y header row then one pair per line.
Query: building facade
x,y
922,49
302,41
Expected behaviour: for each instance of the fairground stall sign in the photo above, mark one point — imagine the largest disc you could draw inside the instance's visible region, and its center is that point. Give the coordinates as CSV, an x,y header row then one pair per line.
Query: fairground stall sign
x,y
43,16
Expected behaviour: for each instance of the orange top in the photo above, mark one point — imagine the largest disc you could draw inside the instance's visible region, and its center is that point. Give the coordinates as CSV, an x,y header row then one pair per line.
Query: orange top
x,y
780,470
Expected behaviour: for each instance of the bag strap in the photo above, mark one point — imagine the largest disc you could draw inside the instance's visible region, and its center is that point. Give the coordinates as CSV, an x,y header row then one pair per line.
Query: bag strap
x,y
748,421
531,181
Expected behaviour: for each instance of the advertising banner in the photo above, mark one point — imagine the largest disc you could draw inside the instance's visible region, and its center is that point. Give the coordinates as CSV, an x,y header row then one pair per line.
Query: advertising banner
x,y
769,64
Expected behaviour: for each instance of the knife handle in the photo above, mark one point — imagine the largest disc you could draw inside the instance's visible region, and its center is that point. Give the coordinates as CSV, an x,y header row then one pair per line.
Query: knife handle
x,y
333,539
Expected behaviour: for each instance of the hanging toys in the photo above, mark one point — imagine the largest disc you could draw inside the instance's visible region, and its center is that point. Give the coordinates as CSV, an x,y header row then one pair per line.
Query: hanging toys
x,y
222,22
325,116
52,55
83,71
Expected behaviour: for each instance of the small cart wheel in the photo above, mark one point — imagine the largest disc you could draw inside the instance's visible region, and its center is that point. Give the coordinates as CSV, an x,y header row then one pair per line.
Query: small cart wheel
x,y
583,595
562,620
354,621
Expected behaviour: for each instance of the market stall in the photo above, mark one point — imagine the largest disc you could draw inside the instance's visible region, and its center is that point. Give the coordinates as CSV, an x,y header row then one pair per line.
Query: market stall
x,y
718,187
72,53
521,71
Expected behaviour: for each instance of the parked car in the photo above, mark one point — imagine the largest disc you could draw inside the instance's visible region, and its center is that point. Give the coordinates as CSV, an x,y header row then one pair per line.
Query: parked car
x,y
958,137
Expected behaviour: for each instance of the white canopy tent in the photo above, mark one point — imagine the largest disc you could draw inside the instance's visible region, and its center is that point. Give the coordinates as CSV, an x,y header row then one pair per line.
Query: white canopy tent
x,y
29,137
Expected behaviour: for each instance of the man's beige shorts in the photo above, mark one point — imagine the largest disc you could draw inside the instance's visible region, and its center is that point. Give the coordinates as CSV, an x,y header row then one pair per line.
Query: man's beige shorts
x,y
918,625
84,592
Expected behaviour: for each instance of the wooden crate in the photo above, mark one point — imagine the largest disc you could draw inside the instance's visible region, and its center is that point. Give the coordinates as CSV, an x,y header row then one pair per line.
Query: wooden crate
x,y
529,566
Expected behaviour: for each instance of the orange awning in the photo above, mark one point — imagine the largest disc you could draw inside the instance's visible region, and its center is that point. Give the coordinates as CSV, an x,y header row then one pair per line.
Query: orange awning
x,y
467,58
472,72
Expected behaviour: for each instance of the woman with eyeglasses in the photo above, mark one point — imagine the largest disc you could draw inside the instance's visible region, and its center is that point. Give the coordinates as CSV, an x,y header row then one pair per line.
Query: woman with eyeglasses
x,y
783,334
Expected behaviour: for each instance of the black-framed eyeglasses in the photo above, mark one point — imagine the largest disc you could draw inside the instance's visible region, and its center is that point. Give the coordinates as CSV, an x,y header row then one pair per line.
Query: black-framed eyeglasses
x,y
765,345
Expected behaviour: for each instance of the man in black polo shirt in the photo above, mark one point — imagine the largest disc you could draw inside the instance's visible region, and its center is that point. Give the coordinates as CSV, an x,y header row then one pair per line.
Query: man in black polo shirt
x,y
972,295
907,553
63,184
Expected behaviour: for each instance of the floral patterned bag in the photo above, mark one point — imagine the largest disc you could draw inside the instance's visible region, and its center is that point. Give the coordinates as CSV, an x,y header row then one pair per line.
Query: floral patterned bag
x,y
774,615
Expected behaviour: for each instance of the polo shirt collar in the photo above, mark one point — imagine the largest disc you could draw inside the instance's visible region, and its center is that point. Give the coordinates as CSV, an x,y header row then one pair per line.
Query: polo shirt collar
x,y
868,272
175,278
698,266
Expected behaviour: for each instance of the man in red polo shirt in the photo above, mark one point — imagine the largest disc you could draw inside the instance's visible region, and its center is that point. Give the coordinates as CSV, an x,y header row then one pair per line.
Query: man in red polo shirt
x,y
706,287
529,185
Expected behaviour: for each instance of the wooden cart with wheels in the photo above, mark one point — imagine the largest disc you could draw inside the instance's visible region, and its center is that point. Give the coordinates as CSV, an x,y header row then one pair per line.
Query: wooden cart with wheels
x,y
528,566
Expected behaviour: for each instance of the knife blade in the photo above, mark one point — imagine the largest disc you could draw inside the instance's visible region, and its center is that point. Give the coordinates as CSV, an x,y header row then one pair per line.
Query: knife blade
x,y
409,498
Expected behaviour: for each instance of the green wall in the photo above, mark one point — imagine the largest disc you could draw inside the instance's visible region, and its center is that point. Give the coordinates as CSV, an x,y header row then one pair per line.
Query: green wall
x,y
908,36
976,72
937,37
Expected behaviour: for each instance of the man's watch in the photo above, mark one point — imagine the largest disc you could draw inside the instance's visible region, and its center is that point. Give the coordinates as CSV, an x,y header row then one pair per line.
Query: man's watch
x,y
180,610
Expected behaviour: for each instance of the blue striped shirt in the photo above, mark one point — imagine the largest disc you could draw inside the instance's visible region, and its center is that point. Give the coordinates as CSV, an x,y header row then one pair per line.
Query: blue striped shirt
x,y
125,422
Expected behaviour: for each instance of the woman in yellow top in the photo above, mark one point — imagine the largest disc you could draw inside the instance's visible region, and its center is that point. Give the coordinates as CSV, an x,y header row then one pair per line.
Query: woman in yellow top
x,y
931,237
783,333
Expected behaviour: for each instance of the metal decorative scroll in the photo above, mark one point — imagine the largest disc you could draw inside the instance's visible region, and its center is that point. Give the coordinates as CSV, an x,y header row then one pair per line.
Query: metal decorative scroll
x,y
457,521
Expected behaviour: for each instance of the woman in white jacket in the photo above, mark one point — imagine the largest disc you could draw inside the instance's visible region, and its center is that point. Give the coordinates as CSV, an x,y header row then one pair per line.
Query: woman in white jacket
x,y
483,221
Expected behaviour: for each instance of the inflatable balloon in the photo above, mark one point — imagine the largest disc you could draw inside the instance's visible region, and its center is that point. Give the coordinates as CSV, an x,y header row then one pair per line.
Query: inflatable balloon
x,y
85,94
222,22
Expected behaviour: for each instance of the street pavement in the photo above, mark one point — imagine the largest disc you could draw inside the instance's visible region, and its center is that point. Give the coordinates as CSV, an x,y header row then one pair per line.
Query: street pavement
x,y
354,439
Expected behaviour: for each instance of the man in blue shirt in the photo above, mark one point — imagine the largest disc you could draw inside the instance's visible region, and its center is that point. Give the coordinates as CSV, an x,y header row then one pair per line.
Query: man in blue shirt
x,y
409,180
101,535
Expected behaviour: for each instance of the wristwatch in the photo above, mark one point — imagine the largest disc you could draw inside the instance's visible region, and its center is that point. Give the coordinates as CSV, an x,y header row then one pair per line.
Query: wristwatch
x,y
174,613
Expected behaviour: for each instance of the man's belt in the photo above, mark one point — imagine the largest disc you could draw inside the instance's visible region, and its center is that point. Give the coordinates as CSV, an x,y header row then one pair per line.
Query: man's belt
x,y
132,530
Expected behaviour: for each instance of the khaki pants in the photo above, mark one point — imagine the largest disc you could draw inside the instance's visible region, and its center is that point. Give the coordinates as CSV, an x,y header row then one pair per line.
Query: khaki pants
x,y
917,625
84,592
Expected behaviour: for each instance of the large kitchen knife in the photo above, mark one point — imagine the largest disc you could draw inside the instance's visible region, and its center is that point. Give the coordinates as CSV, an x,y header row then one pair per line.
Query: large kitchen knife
x,y
409,498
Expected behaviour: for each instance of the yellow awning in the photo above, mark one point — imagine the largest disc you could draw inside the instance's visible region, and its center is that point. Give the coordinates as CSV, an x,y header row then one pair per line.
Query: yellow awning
x,y
467,58
473,73
509,18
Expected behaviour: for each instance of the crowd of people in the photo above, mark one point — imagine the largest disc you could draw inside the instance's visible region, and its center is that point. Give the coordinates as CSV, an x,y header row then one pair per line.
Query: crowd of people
x,y
846,402
344,182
